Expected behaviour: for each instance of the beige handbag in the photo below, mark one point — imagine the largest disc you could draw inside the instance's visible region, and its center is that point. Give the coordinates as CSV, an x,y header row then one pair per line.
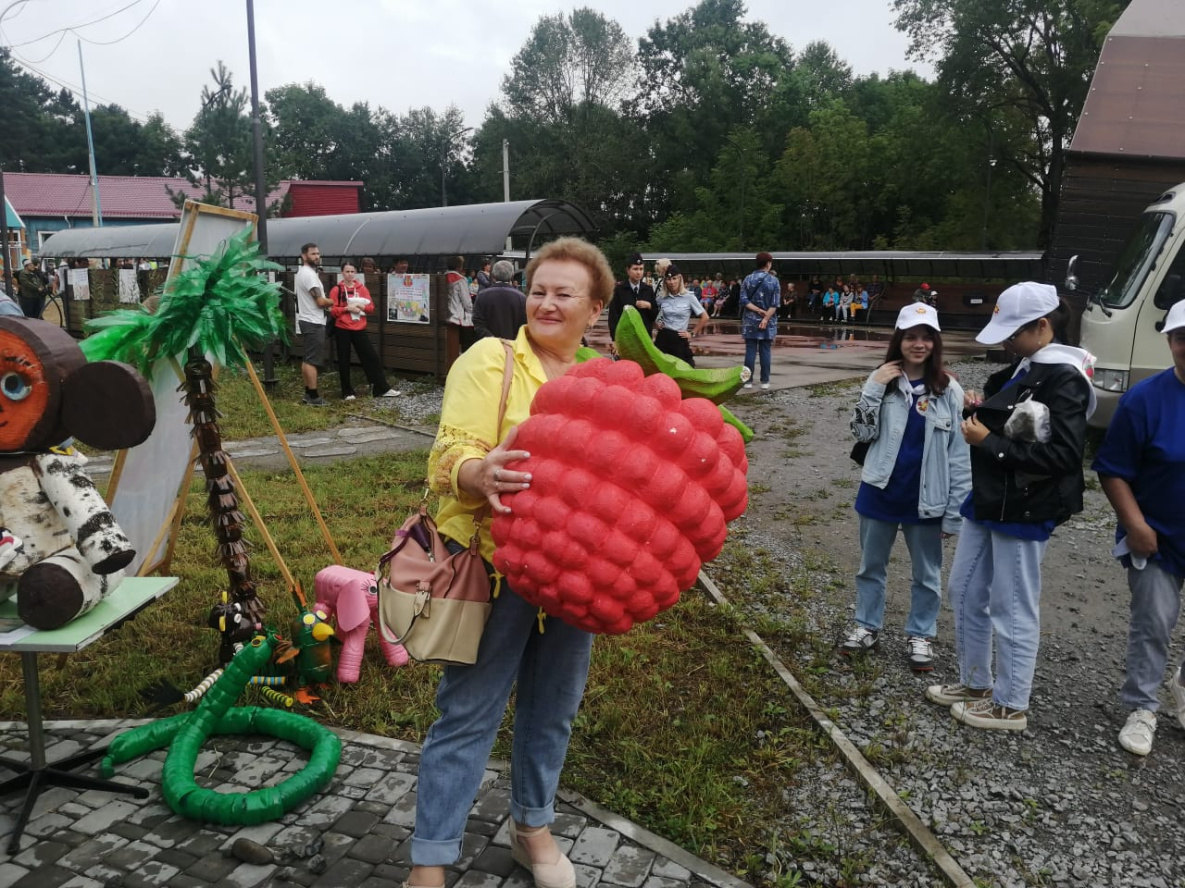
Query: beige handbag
x,y
433,603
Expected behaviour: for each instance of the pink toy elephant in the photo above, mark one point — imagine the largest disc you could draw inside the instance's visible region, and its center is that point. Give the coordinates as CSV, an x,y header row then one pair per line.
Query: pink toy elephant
x,y
353,597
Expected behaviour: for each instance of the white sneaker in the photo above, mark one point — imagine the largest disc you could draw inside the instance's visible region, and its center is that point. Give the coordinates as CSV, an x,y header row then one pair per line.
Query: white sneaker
x,y
1177,691
765,385
390,393
1136,736
350,398
748,385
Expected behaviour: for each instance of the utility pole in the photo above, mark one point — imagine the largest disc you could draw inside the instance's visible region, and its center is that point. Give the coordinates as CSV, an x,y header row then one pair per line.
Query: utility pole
x,y
506,180
269,370
7,253
96,208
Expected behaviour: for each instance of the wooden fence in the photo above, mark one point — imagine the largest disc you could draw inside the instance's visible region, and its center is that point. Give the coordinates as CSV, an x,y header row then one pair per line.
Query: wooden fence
x,y
403,347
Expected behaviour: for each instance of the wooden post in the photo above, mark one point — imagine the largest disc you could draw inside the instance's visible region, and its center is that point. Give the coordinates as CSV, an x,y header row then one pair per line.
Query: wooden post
x,y
258,519
304,486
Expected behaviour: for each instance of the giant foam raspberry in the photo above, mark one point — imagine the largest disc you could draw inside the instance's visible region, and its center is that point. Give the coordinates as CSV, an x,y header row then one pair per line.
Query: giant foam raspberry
x,y
631,491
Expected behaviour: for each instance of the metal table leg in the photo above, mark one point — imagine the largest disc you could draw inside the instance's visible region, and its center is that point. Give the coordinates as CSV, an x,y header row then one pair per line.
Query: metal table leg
x,y
37,776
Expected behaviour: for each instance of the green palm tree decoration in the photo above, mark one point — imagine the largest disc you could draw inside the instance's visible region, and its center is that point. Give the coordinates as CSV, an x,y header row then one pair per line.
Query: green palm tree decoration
x,y
222,306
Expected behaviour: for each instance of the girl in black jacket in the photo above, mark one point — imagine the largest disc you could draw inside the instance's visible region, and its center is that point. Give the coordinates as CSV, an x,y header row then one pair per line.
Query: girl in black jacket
x,y
1027,434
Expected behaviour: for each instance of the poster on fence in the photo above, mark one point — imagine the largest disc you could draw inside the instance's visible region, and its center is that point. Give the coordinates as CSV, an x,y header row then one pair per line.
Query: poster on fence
x,y
407,298
80,282
129,289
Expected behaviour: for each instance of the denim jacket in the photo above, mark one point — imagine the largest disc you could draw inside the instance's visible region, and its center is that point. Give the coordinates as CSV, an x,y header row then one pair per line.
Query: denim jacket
x,y
879,419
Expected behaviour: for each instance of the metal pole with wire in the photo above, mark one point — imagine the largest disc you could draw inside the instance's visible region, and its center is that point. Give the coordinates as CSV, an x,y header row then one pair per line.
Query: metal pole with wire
x,y
8,288
97,209
269,369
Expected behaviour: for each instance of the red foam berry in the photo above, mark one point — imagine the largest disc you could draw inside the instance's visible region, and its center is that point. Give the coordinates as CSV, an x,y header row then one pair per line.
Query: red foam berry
x,y
631,489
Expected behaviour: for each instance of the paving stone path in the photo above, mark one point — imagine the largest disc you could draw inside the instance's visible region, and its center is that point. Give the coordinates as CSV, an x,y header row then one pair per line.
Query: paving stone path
x,y
354,835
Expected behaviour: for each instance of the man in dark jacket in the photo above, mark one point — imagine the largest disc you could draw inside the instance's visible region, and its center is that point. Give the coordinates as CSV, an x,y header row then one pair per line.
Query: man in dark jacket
x,y
34,287
501,308
633,291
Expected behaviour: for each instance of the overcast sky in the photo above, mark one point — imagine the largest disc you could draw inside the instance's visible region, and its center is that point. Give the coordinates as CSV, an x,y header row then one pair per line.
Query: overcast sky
x,y
400,54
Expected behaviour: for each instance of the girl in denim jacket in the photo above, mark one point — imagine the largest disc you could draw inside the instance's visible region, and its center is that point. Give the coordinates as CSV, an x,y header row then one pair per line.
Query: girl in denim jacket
x,y
917,472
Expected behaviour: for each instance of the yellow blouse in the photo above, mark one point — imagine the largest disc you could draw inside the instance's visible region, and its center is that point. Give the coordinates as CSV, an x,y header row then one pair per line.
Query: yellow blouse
x,y
468,415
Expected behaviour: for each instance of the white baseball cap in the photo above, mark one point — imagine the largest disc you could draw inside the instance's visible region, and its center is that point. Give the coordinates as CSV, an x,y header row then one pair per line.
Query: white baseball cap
x,y
1020,304
1175,319
917,313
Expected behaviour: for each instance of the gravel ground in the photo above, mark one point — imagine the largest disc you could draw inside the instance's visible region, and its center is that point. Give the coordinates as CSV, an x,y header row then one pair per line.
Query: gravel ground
x,y
1059,804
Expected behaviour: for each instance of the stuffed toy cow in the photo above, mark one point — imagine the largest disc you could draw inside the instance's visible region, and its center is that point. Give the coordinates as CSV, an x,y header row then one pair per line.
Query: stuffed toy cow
x,y
354,598
66,551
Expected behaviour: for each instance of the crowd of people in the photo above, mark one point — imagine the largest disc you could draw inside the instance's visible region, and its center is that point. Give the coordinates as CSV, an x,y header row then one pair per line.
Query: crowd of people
x,y
1000,468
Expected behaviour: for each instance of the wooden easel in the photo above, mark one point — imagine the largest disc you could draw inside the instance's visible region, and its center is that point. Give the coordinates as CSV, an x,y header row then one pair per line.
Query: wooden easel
x,y
170,527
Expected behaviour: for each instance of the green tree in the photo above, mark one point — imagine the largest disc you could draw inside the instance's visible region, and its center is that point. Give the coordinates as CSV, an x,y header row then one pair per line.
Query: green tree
x,y
313,137
704,73
567,62
218,145
1015,63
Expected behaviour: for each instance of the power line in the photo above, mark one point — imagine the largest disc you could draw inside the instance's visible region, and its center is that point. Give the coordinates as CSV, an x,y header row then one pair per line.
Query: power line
x,y
76,91
84,24
129,33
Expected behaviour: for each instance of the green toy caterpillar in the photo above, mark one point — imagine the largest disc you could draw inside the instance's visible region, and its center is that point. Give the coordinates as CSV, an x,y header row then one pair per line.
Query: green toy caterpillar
x,y
216,714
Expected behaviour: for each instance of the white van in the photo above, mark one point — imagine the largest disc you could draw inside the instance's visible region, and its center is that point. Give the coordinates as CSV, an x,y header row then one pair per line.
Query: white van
x,y
1121,323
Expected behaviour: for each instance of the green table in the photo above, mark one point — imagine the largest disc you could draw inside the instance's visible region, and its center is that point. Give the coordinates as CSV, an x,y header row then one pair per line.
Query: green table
x,y
128,599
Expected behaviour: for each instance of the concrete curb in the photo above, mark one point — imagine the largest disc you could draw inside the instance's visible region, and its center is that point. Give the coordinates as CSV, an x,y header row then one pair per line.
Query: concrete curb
x,y
924,840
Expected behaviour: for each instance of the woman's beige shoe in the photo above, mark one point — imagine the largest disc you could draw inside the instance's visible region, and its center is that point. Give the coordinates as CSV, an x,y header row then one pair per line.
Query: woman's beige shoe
x,y
558,873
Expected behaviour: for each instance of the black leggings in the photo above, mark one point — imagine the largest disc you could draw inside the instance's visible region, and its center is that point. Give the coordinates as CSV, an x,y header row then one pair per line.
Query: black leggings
x,y
371,365
673,344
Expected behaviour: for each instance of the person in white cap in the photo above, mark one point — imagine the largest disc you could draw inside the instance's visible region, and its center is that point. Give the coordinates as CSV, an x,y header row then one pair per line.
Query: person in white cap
x,y
1141,466
917,472
1027,435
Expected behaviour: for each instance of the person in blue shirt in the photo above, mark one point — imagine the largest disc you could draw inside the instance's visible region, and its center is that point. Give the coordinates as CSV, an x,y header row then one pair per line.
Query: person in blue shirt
x,y
676,307
1141,466
917,471
1027,437
760,295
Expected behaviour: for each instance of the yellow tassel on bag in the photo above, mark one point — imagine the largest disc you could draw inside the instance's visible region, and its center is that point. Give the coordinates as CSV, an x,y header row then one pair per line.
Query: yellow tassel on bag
x,y
541,616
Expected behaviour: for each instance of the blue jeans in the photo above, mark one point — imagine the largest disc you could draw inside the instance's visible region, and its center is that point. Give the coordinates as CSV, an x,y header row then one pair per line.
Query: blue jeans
x,y
752,347
925,594
551,669
1156,604
995,589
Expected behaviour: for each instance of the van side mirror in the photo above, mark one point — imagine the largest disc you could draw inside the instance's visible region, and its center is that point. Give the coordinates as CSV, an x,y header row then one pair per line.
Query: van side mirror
x,y
1071,283
1170,293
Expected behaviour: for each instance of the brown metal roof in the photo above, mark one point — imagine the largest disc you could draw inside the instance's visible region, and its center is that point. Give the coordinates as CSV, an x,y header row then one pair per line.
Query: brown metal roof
x,y
1136,103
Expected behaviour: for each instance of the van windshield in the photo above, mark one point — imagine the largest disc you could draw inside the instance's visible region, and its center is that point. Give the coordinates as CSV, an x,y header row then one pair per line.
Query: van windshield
x,y
1136,259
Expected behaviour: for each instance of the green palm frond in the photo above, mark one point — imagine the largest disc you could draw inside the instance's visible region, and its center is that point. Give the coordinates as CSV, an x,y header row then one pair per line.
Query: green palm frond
x,y
123,335
221,306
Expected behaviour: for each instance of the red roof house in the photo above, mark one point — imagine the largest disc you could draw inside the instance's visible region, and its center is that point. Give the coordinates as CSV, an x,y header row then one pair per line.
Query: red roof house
x,y
49,202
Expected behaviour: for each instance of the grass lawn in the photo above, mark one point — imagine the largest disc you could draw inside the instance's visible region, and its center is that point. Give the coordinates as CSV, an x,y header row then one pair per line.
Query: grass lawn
x,y
684,728
243,417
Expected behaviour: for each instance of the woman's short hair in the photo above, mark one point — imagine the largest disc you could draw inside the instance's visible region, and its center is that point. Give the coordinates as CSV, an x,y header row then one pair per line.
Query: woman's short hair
x,y
456,263
575,249
764,259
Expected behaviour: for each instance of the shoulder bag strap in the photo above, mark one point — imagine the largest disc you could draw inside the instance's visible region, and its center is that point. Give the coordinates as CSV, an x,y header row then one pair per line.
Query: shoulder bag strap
x,y
507,378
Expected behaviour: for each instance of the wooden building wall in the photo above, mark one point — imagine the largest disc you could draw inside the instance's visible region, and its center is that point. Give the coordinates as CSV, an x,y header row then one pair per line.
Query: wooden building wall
x,y
404,348
1101,202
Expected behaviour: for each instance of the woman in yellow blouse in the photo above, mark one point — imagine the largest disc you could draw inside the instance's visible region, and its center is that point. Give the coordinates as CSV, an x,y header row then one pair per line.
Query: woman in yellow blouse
x,y
569,282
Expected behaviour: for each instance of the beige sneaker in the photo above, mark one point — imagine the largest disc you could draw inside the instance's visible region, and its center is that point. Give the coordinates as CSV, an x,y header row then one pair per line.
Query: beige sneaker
x,y
949,695
1137,733
986,714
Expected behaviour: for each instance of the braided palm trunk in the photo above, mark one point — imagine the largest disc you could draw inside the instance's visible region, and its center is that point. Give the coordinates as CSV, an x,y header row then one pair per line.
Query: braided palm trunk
x,y
222,500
